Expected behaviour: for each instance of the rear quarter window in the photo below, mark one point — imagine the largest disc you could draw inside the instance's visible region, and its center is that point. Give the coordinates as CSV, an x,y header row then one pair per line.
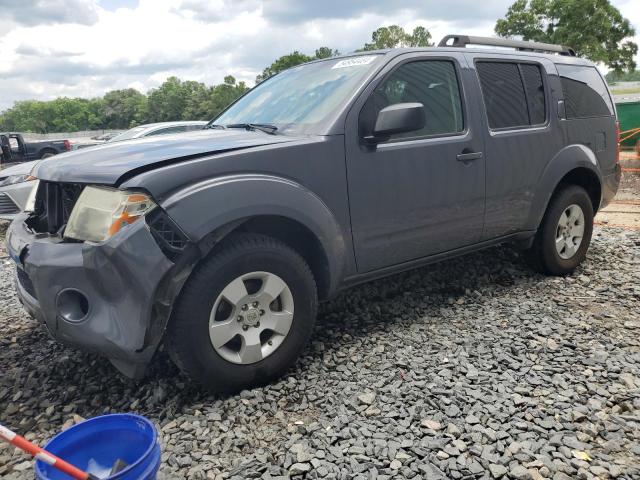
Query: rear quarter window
x,y
585,93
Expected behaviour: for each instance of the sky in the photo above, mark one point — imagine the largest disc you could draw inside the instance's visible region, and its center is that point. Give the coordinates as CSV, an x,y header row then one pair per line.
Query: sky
x,y
83,48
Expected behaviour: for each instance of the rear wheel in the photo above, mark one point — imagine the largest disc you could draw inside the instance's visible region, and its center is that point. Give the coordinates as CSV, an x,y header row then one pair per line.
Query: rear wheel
x,y
564,235
47,155
245,314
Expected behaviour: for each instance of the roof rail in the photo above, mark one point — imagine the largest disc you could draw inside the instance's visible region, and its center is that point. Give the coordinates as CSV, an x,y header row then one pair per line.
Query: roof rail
x,y
464,40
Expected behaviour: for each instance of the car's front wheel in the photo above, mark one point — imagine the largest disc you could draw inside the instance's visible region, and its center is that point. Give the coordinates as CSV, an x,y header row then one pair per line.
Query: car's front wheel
x,y
564,235
244,315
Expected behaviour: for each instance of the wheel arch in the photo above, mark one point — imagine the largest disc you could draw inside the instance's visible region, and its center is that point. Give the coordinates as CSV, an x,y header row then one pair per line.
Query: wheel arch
x,y
573,165
46,150
290,232
587,179
265,204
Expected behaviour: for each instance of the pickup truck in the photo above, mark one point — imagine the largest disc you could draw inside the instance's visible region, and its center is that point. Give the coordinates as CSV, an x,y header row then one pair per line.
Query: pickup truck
x,y
15,149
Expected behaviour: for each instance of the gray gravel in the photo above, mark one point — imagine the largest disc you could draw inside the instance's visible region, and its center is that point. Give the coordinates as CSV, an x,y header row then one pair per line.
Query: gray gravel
x,y
474,368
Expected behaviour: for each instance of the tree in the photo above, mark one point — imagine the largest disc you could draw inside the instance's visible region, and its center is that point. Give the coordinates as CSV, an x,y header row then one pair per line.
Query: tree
x,y
59,115
124,108
205,105
394,36
282,63
326,52
168,102
595,29
632,76
293,59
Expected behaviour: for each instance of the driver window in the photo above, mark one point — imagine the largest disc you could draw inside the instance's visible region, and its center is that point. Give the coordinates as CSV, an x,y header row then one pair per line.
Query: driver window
x,y
433,83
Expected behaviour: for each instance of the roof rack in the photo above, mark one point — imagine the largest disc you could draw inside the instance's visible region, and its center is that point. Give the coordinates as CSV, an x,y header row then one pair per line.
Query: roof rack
x,y
462,41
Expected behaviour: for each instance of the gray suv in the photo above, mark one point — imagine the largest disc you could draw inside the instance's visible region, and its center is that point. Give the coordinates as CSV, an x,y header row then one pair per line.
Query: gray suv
x,y
220,243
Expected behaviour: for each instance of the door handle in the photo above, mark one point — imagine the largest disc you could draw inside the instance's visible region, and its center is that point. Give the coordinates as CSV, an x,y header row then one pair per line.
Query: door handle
x,y
467,157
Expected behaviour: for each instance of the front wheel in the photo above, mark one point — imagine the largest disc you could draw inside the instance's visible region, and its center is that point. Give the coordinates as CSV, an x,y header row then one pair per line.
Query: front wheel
x,y
565,232
244,315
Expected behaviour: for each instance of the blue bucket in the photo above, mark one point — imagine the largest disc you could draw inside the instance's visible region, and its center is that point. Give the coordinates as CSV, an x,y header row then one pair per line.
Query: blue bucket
x,y
94,445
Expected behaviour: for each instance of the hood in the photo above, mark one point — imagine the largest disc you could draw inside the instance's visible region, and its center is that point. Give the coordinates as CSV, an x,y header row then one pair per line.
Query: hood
x,y
106,164
23,168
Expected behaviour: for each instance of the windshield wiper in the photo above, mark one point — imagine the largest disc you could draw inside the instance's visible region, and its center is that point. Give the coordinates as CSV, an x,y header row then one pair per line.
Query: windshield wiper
x,y
214,126
263,127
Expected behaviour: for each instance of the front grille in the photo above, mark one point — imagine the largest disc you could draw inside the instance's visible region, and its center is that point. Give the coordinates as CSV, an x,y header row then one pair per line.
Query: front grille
x,y
25,282
7,206
54,203
69,196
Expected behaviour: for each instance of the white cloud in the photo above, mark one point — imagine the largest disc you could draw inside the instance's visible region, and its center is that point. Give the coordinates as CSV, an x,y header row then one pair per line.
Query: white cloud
x,y
90,46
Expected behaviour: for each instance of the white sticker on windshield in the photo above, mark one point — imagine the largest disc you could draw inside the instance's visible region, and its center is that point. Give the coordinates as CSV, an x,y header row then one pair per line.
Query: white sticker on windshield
x,y
354,62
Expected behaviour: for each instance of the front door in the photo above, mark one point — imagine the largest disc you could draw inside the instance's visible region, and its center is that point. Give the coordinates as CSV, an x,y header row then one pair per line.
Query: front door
x,y
18,148
418,193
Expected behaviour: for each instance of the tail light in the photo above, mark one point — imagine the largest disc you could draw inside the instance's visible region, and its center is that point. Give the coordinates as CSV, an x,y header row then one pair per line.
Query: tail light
x,y
67,144
617,141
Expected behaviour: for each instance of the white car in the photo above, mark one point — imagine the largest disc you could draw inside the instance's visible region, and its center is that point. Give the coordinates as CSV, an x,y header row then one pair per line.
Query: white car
x,y
15,187
162,128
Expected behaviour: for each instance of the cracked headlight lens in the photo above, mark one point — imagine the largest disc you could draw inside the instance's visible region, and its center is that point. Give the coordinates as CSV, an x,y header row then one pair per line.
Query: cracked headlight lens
x,y
101,212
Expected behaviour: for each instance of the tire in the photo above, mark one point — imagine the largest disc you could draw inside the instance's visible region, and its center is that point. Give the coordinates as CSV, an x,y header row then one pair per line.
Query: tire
x,y
544,256
222,369
46,155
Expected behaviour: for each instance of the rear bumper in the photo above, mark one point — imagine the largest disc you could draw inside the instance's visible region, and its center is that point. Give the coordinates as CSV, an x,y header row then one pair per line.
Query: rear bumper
x,y
119,280
610,184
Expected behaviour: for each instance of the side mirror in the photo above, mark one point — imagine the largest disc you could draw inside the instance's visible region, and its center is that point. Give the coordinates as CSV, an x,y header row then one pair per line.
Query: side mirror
x,y
398,118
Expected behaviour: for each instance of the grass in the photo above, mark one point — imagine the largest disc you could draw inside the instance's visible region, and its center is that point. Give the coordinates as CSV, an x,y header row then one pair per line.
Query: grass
x,y
625,91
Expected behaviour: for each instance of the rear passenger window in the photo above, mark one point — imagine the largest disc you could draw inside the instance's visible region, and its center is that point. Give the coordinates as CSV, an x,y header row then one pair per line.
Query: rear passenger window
x,y
513,94
534,89
585,93
433,83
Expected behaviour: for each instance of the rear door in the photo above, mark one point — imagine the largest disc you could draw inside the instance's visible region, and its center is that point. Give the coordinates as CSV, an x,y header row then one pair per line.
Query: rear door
x,y
422,192
522,135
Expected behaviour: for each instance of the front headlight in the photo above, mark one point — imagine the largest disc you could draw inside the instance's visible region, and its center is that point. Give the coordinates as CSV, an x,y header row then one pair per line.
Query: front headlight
x,y
101,212
13,179
30,205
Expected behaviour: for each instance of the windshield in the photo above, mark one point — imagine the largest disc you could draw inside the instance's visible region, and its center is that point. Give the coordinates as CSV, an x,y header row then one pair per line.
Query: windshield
x,y
132,133
302,97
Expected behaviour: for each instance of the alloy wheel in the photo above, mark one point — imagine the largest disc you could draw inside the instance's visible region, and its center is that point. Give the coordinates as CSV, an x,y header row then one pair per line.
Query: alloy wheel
x,y
251,317
569,231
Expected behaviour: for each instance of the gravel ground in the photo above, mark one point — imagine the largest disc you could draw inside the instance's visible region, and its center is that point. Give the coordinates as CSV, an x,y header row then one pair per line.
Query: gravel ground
x,y
473,368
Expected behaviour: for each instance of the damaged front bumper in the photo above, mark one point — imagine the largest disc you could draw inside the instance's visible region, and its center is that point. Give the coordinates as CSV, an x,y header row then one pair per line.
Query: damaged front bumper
x,y
101,297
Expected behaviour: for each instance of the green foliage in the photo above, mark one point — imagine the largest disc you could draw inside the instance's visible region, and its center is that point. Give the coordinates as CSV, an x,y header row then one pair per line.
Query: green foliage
x,y
394,36
595,29
282,63
326,52
613,76
122,109
293,59
206,103
59,115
